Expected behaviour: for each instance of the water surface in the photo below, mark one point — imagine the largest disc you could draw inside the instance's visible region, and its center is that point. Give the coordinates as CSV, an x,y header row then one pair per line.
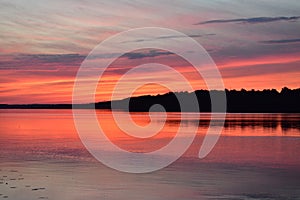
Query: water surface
x,y
256,157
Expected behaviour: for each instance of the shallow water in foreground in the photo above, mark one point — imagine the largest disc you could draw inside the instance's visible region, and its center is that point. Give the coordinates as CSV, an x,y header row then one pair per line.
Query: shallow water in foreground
x,y
256,157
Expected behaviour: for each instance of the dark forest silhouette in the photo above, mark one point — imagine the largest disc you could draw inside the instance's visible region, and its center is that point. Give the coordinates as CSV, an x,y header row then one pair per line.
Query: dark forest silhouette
x,y
242,101
237,101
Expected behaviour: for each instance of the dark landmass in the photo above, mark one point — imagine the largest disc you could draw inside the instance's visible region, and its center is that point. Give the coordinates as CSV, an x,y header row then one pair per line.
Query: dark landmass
x,y
242,101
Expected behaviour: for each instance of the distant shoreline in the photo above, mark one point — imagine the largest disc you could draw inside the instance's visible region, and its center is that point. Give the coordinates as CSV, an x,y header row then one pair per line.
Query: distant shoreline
x,y
266,101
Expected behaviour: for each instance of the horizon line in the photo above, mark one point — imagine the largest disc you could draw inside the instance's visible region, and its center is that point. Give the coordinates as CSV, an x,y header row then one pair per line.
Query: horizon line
x,y
161,94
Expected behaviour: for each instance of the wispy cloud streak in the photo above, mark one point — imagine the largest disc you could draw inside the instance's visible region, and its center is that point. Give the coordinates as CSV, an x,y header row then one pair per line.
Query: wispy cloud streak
x,y
254,20
148,54
39,60
287,41
171,37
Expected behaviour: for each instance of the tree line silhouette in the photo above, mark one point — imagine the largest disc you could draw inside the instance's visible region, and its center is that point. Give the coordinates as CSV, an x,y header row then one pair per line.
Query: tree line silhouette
x,y
238,101
267,101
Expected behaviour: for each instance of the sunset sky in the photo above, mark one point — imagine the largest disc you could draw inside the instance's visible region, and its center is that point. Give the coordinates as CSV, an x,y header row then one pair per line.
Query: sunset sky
x,y
255,44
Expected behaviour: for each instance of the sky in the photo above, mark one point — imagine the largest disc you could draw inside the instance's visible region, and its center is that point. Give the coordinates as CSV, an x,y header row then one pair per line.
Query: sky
x,y
255,44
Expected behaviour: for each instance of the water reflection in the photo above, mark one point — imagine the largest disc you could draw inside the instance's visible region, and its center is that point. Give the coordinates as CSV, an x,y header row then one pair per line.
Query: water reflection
x,y
268,121
257,157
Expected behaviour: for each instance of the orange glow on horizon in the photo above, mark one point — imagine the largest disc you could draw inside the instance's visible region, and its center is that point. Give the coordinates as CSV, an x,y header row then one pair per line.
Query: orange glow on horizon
x,y
21,87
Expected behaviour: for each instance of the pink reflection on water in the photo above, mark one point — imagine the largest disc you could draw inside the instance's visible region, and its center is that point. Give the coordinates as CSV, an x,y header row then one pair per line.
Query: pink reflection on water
x,y
252,139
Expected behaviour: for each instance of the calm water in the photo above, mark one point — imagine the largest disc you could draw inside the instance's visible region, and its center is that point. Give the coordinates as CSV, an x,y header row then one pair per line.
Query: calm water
x,y
42,157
